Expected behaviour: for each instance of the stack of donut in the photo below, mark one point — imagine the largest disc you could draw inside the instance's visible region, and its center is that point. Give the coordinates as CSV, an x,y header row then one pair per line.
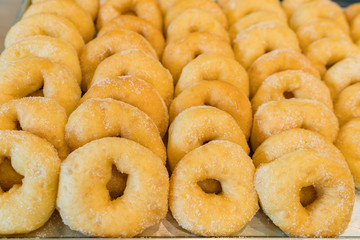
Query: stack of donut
x,y
211,188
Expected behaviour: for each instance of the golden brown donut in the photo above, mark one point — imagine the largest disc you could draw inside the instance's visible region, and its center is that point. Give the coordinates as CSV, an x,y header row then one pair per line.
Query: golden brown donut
x,y
84,201
128,62
347,104
142,27
355,30
39,76
214,214
133,91
219,94
290,6
68,9
165,4
277,61
213,67
197,125
148,10
28,206
352,11
291,84
107,45
277,116
263,37
179,53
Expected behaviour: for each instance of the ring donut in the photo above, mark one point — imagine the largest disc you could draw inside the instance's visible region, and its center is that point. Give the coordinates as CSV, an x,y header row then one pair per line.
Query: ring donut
x,y
128,62
195,20
46,47
274,117
133,91
102,47
347,104
296,83
277,61
213,67
179,53
84,202
352,11
148,10
142,27
68,9
197,125
33,74
28,206
278,185
219,94
260,38
290,6
211,214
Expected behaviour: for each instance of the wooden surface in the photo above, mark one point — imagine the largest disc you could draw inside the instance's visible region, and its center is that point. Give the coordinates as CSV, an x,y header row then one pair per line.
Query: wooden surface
x,y
8,9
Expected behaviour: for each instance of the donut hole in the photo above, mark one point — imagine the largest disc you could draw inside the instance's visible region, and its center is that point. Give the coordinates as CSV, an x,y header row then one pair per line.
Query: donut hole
x,y
308,195
193,29
211,186
37,93
8,176
117,183
130,11
17,125
288,95
329,65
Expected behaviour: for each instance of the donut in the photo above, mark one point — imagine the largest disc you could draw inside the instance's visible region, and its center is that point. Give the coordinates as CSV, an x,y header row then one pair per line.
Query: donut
x,y
210,214
277,116
317,29
102,47
277,61
148,10
128,63
290,6
355,30
235,9
197,125
352,11
133,91
342,74
98,118
326,52
322,9
45,24
347,141
195,20
205,5
84,202
179,53
347,104
260,38
55,50
136,24
278,185
29,205
219,94
68,9
291,84
252,19
213,67
31,75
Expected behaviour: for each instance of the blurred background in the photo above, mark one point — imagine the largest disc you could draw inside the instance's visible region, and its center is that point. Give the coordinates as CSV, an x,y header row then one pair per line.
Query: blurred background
x,y
8,9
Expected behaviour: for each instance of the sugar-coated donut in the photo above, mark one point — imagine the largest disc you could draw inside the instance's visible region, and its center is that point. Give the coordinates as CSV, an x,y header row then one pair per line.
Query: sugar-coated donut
x,y
277,116
348,143
68,9
141,26
179,53
352,11
128,63
277,61
45,24
290,6
291,84
213,67
133,91
260,38
342,74
28,206
47,47
197,125
107,45
98,118
325,52
278,185
195,20
27,76
165,4
206,5
148,10
347,104
210,214
219,94
84,202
